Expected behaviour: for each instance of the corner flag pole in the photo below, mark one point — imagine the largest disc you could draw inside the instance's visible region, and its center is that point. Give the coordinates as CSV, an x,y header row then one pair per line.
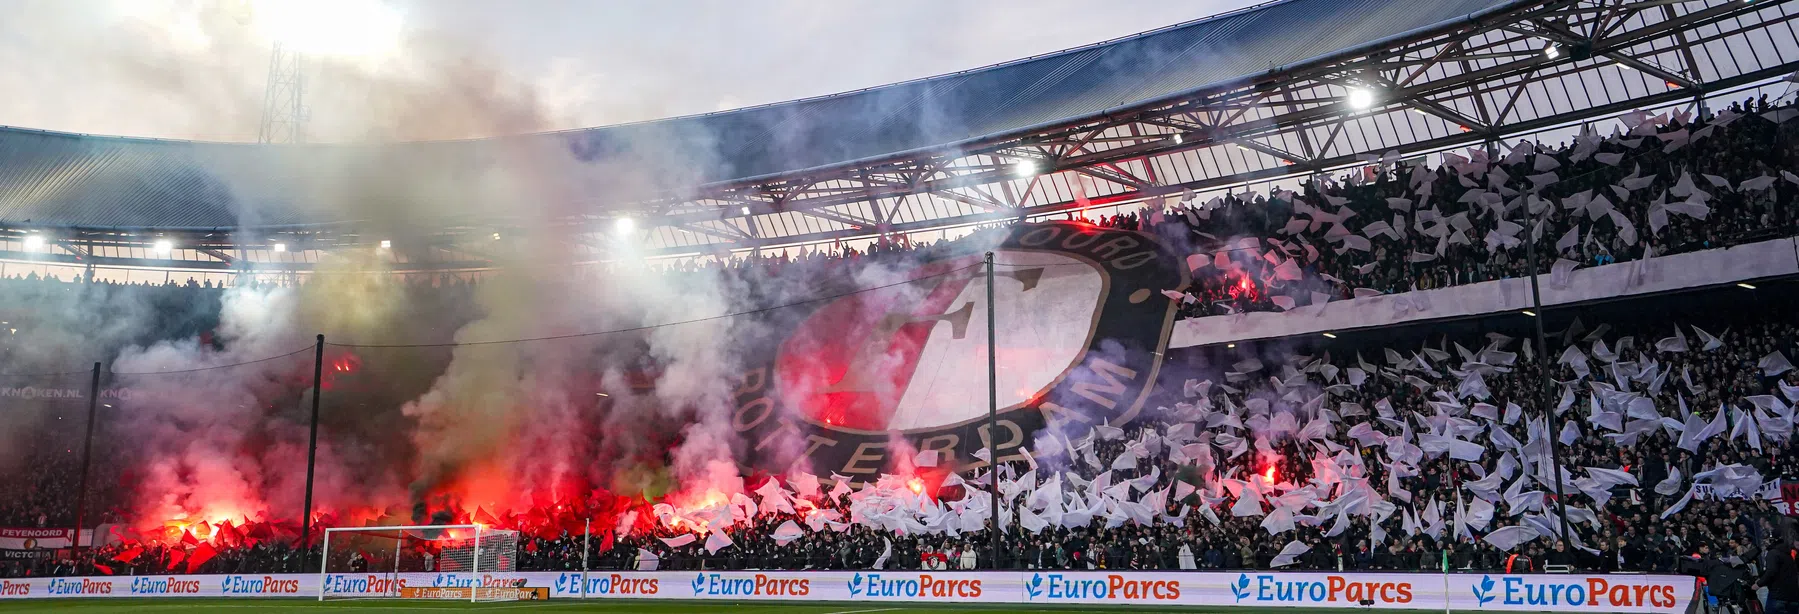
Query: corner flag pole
x,y
993,412
586,544
312,443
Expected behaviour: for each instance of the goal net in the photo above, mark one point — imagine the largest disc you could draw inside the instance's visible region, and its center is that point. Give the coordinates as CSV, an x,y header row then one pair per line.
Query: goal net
x,y
468,562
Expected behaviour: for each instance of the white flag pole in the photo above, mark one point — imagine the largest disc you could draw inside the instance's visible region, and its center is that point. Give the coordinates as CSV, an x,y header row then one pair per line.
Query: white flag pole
x,y
586,541
398,541
475,568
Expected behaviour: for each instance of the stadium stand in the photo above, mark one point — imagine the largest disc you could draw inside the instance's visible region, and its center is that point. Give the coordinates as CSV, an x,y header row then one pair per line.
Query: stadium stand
x,y
1354,454
1663,444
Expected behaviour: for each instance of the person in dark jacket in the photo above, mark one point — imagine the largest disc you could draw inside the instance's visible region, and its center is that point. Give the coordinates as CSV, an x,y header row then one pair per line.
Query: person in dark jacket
x,y
1389,559
1560,555
1429,557
1323,555
1233,559
1519,562
1363,557
1782,581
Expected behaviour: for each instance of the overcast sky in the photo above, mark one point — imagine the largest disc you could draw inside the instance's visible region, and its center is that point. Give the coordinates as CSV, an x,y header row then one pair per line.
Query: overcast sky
x,y
427,69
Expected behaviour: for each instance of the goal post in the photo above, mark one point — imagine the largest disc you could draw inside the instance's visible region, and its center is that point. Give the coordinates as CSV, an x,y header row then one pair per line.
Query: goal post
x,y
391,562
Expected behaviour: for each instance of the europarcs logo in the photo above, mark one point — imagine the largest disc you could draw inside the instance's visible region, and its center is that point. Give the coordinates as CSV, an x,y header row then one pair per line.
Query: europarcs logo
x,y
1596,592
571,583
258,585
1108,587
911,586
741,585
1326,589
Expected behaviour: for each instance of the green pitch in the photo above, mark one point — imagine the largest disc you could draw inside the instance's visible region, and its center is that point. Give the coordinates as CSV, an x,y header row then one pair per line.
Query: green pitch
x,y
282,606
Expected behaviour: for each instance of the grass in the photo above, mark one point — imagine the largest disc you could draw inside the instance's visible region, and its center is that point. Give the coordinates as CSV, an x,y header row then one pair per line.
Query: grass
x,y
278,606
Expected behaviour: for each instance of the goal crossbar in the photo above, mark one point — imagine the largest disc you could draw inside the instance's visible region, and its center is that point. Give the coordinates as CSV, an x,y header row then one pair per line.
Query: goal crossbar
x,y
471,539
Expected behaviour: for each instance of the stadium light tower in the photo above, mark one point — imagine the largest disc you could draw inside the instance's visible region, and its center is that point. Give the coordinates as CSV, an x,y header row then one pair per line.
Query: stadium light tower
x,y
340,30
284,98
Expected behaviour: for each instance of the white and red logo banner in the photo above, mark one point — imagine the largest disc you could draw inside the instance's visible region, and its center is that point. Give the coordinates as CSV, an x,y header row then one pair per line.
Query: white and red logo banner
x,y
35,538
1392,591
1081,316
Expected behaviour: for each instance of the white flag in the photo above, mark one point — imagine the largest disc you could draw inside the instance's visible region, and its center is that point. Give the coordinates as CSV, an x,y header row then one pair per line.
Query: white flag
x,y
1508,538
1289,554
788,531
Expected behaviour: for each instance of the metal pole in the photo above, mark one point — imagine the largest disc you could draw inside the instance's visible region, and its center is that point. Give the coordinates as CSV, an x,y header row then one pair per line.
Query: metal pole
x,y
394,580
474,592
87,458
586,542
324,550
1555,446
312,444
993,413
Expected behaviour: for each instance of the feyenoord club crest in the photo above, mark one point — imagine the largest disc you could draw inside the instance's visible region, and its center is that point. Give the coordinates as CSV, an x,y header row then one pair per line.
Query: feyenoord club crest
x,y
1080,326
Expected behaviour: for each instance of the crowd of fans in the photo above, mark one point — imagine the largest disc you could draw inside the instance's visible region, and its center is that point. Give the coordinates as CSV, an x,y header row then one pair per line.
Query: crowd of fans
x,y
1662,521
1309,432
1599,200
1635,527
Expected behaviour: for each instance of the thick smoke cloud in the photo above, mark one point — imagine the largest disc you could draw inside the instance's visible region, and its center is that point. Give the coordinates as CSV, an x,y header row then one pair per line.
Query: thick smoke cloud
x,y
499,425
219,442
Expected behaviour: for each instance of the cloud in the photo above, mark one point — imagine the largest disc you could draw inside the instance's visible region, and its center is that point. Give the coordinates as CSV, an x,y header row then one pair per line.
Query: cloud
x,y
197,69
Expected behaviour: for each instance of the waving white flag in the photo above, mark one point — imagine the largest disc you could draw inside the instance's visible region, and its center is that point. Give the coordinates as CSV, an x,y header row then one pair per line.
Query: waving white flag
x,y
1508,538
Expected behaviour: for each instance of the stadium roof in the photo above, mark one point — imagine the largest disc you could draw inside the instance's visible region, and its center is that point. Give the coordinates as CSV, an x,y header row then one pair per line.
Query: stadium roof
x,y
76,180
1251,94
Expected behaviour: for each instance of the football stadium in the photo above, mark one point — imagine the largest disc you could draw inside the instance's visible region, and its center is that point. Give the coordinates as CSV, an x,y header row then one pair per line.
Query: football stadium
x,y
1443,305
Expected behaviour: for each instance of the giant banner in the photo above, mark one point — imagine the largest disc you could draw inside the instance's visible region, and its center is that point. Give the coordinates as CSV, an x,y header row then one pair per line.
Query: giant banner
x,y
1391,591
32,542
1080,324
